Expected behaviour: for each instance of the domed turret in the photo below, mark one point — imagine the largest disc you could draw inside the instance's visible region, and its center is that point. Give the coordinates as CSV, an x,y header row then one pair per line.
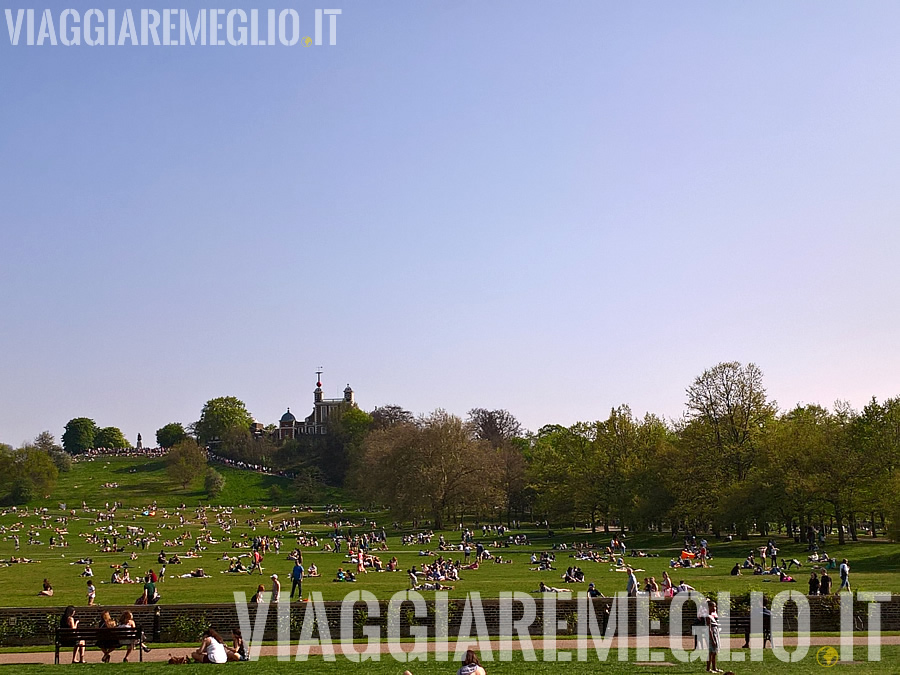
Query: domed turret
x,y
348,394
288,418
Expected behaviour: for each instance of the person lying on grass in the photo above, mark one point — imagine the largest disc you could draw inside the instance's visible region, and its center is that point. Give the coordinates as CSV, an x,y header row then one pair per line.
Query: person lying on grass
x,y
544,588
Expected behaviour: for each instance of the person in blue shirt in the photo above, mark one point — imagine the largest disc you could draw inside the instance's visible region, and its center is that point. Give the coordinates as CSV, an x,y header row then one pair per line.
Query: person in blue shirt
x,y
297,579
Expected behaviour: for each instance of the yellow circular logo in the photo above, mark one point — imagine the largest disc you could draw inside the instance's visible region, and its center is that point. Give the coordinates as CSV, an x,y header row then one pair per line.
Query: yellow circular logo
x,y
827,657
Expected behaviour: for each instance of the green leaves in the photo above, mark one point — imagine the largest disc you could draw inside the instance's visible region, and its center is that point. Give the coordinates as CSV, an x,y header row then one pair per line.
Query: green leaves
x,y
221,415
79,435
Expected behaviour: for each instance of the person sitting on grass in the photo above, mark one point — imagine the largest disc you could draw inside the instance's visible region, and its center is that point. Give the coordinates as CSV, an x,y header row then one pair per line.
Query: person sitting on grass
x,y
593,592
211,649
313,571
470,665
238,649
47,590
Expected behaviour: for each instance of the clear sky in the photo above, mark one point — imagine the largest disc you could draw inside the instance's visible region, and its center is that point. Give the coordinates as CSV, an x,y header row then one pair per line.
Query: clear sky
x,y
549,207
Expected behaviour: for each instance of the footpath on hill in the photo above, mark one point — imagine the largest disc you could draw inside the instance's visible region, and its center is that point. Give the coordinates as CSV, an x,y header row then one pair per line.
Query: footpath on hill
x,y
656,642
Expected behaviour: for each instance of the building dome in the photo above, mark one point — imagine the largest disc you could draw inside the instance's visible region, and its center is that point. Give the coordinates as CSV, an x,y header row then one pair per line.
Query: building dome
x,y
288,418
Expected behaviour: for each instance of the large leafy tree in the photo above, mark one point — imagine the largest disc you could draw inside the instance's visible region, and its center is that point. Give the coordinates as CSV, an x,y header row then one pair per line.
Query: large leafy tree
x,y
47,442
391,415
728,411
213,482
219,416
26,473
79,435
436,467
494,426
186,462
111,438
169,435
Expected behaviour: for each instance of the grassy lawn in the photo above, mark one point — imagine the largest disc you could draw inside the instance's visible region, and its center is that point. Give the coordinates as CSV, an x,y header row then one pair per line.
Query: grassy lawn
x,y
890,663
875,563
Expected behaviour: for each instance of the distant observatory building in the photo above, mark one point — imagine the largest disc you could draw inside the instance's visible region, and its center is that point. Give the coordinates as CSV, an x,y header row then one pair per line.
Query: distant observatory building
x,y
317,423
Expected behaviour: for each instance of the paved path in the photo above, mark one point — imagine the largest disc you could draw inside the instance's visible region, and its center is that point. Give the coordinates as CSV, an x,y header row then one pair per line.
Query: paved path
x,y
656,642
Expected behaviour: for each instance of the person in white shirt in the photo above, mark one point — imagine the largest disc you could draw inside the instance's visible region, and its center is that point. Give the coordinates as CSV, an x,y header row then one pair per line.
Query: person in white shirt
x,y
212,649
845,575
276,588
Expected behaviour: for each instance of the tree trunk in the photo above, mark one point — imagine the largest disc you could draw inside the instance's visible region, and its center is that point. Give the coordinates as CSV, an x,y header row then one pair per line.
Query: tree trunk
x,y
851,523
839,519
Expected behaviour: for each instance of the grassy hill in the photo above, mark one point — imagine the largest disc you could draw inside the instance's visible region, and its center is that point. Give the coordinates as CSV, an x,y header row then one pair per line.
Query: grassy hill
x,y
141,481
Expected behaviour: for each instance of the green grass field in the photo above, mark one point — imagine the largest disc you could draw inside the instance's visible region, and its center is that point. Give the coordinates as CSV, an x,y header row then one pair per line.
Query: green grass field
x,y
875,563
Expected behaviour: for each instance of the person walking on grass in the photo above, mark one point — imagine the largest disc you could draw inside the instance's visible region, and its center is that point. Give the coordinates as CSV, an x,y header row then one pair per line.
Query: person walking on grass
x,y
845,576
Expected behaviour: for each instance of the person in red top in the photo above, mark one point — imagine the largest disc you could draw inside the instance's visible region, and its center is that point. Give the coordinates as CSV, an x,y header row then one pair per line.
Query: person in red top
x,y
257,562
153,576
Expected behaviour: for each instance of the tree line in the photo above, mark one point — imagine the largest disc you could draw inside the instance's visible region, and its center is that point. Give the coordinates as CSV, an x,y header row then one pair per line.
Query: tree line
x,y
733,462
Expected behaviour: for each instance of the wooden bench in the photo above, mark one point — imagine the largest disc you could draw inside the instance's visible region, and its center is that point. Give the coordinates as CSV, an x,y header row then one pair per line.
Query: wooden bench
x,y
69,637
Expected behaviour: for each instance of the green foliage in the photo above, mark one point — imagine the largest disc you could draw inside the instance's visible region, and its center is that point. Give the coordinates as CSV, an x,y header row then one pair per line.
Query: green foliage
x,y
171,434
37,467
27,473
62,460
220,415
47,442
213,482
111,438
185,462
79,435
20,629
430,468
188,628
23,491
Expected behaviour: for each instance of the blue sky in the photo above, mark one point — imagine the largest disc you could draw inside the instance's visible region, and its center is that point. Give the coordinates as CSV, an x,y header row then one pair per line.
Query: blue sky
x,y
553,208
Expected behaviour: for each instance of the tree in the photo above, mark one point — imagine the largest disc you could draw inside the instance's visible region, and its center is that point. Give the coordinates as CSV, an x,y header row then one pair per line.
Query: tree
x,y
26,473
219,415
79,435
213,482
494,426
37,467
47,442
390,416
435,466
185,462
111,438
721,438
170,435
